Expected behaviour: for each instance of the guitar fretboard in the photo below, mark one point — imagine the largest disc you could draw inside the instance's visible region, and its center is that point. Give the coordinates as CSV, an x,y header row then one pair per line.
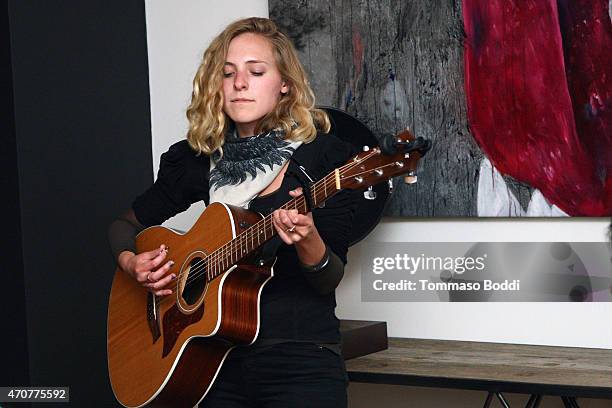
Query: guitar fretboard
x,y
258,234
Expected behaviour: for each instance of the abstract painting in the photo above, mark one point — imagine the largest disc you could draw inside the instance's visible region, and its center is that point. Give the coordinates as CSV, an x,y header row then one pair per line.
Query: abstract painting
x,y
516,96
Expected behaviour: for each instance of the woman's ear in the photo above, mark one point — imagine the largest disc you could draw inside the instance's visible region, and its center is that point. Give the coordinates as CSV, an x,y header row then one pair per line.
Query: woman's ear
x,y
284,88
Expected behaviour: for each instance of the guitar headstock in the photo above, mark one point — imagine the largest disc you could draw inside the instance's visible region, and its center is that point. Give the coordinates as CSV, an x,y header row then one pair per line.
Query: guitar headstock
x,y
372,166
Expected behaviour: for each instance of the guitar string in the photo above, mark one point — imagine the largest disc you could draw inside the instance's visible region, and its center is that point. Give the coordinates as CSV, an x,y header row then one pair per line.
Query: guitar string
x,y
221,258
223,251
220,255
213,259
240,240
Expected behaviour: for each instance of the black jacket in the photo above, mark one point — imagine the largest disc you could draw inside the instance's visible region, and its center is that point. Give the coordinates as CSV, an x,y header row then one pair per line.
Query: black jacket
x,y
291,308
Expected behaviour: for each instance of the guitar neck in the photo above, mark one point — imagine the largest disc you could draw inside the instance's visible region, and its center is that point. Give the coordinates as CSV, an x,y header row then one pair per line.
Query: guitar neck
x,y
258,234
367,168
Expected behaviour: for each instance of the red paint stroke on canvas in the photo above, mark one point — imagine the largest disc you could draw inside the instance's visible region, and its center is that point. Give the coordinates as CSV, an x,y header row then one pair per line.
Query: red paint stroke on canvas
x,y
538,84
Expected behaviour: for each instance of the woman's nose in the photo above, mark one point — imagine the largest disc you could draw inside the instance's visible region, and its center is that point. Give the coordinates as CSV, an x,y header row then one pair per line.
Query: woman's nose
x,y
240,81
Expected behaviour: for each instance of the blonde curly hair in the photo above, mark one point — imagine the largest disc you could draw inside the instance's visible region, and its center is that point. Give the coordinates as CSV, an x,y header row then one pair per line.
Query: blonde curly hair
x,y
295,112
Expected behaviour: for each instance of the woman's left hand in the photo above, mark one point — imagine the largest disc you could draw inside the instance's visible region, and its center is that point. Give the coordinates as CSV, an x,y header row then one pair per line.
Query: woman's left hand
x,y
299,230
292,227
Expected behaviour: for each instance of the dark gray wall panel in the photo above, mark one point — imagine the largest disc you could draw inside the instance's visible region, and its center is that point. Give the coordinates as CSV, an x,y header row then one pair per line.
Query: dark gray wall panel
x,y
84,151
14,350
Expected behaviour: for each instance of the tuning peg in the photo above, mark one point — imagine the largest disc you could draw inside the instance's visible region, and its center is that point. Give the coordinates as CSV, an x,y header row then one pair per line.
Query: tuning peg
x,y
410,178
390,183
369,194
366,148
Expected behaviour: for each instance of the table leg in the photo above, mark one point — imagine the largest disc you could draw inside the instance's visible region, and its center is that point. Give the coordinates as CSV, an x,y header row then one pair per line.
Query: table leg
x,y
487,403
501,398
534,401
570,402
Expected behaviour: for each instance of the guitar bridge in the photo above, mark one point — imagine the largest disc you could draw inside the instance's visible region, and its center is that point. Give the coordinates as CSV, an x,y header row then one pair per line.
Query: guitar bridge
x,y
152,317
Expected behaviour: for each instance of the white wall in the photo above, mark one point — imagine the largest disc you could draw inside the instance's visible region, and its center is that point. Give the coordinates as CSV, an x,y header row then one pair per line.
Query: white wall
x,y
559,324
177,34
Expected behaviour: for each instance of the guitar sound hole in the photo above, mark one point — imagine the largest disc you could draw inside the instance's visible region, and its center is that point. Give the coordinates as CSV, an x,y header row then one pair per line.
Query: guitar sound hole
x,y
195,282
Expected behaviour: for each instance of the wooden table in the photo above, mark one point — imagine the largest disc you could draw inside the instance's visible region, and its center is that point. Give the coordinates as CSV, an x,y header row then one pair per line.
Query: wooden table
x,y
567,372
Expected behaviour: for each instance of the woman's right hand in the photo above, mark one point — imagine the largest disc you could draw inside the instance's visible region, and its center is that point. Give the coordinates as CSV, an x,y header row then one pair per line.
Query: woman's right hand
x,y
145,268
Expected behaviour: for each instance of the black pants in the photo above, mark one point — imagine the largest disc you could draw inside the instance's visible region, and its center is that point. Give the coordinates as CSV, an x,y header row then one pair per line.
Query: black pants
x,y
283,375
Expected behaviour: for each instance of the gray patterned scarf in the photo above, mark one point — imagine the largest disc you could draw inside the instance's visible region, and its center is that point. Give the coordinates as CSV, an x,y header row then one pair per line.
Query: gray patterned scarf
x,y
248,166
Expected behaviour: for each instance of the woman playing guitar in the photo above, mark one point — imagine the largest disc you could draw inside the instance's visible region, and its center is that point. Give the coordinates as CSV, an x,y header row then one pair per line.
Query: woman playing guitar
x,y
254,141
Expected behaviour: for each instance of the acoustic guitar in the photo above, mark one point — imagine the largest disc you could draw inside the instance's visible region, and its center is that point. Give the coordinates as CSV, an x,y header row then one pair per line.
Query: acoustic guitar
x,y
167,351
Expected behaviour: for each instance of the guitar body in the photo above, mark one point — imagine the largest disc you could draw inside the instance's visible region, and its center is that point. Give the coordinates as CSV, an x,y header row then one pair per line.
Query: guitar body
x,y
167,351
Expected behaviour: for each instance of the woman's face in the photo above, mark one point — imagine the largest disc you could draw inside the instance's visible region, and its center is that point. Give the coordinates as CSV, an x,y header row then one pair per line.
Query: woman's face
x,y
252,84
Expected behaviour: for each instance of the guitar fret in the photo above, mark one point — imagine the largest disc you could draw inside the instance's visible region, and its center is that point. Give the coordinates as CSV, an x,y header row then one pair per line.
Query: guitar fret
x,y
217,260
246,240
266,229
224,257
239,249
220,261
228,254
268,226
270,229
233,252
253,237
325,186
244,244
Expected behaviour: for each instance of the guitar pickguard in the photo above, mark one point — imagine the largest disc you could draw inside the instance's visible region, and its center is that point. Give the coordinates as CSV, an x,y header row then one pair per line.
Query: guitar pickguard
x,y
174,322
